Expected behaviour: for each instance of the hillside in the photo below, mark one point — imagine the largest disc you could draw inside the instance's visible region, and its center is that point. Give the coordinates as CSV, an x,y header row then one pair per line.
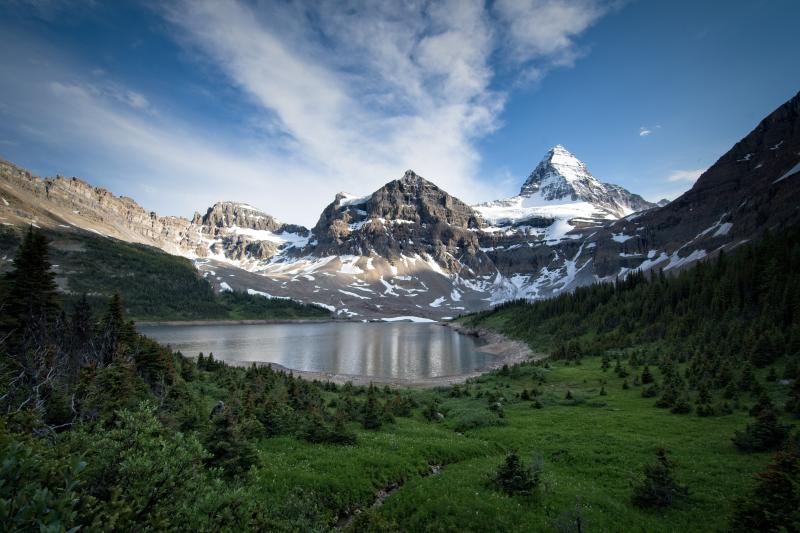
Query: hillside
x,y
154,285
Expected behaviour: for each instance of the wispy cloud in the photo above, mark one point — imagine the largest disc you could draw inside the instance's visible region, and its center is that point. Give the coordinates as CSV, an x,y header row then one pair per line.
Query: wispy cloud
x,y
685,175
646,131
347,96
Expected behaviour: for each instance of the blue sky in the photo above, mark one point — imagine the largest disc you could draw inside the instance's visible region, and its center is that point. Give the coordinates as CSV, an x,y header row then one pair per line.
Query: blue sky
x,y
281,104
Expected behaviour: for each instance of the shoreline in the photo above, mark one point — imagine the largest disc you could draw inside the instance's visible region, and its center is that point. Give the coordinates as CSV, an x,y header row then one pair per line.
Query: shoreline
x,y
506,351
243,322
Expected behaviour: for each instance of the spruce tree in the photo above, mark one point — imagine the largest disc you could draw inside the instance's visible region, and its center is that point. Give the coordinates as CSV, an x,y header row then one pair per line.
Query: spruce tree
x,y
766,433
513,478
658,488
31,301
774,505
793,403
115,334
372,413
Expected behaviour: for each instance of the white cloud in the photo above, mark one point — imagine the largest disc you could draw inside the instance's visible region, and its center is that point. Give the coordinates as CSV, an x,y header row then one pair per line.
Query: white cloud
x,y
547,28
347,103
685,175
646,131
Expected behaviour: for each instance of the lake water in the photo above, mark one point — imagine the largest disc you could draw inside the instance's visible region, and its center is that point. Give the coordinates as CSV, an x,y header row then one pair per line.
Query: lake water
x,y
399,350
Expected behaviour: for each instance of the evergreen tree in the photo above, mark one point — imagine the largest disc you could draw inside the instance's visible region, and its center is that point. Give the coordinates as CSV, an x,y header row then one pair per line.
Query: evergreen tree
x,y
766,433
228,449
793,403
372,414
31,301
774,505
658,488
513,478
747,379
647,376
115,335
81,333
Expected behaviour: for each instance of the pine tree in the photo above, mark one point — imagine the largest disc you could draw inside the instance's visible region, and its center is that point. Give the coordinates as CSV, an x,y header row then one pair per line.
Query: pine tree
x,y
513,478
774,505
658,488
372,413
766,433
81,335
793,403
115,334
647,376
31,301
747,379
228,449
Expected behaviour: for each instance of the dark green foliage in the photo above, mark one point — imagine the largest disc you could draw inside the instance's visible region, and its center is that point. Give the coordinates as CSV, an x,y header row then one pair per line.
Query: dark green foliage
x,y
772,375
647,376
766,433
747,379
36,494
774,504
30,299
514,478
658,488
401,404
227,446
373,413
432,411
793,403
317,430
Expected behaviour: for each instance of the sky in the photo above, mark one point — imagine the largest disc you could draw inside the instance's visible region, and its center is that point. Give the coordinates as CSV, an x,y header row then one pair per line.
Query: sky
x,y
282,104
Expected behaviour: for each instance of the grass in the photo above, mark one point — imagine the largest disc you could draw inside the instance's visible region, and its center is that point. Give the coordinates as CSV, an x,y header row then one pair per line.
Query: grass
x,y
593,449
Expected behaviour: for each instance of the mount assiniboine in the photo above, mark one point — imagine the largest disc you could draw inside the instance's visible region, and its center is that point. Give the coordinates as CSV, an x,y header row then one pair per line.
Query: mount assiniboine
x,y
410,248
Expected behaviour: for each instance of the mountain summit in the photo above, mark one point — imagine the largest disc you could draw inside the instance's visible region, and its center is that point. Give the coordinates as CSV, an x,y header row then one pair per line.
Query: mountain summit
x,y
561,177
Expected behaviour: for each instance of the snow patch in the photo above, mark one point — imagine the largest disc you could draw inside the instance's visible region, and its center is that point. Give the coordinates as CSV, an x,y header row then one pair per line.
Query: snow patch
x,y
408,318
794,170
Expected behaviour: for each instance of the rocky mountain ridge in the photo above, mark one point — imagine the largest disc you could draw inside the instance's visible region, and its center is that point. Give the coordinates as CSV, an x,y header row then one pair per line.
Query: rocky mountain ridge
x,y
410,248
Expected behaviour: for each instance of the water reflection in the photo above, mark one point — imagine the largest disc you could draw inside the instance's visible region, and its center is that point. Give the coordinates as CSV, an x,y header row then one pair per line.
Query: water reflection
x,y
386,350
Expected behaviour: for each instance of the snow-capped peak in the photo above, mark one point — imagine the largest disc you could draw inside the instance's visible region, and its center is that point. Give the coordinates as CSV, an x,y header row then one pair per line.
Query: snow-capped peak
x,y
561,187
560,174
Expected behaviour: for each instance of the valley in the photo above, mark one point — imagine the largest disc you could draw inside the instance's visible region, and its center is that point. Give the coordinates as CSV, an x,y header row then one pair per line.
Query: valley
x,y
577,310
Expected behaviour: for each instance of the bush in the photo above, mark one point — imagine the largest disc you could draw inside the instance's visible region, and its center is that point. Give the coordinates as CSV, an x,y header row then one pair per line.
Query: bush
x,y
473,419
316,430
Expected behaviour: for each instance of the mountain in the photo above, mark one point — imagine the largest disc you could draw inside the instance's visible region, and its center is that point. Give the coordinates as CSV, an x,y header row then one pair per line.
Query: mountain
x,y
411,248
562,188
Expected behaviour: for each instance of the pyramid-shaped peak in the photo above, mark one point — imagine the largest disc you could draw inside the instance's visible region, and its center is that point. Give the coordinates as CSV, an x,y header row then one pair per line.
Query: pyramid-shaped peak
x,y
559,170
410,175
